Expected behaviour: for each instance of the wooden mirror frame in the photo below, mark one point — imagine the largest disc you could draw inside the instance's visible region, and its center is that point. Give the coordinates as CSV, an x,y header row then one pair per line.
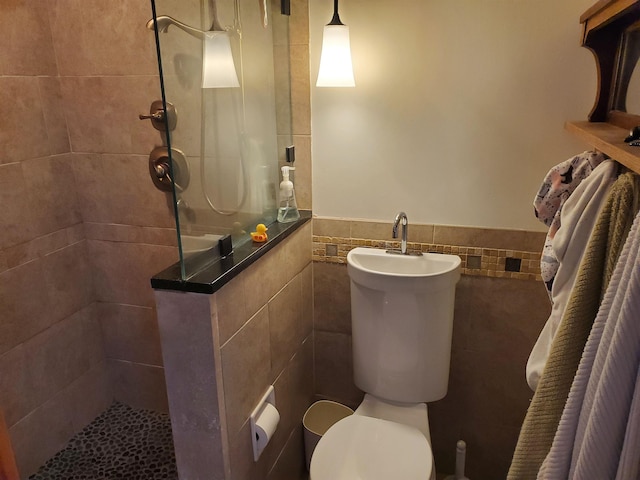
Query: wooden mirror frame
x,y
604,26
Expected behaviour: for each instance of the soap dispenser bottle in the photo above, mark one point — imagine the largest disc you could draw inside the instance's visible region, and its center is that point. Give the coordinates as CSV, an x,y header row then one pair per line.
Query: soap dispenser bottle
x,y
287,206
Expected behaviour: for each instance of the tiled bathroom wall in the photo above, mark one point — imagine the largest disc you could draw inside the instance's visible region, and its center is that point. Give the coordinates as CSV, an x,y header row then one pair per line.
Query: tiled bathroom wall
x,y
128,223
82,229
53,375
222,351
496,322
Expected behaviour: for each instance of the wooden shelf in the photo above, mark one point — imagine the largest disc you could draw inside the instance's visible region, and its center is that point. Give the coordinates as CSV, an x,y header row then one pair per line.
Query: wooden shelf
x,y
608,139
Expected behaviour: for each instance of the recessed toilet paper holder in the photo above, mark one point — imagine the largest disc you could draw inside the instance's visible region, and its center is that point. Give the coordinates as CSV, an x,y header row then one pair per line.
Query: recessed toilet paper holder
x,y
264,421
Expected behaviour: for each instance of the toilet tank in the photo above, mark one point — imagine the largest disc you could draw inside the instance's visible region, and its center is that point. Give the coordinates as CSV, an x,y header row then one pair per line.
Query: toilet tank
x,y
401,334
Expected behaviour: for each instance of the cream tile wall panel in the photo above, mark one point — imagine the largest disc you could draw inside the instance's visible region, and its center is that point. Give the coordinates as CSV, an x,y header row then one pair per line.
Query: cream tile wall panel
x,y
30,51
89,100
113,36
122,270
117,189
246,359
138,385
130,333
23,129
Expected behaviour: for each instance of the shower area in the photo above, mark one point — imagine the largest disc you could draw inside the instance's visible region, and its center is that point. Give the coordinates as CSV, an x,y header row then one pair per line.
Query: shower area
x,y
224,70
96,202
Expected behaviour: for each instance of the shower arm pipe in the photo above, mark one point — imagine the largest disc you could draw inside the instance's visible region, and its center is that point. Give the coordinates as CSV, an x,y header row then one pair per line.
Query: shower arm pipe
x,y
164,21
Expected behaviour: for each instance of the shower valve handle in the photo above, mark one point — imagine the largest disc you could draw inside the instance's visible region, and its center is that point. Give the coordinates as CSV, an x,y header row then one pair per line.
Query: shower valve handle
x,y
154,116
159,116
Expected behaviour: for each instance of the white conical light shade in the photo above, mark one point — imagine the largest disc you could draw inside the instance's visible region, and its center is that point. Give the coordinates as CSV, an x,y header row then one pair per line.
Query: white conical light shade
x,y
335,60
218,69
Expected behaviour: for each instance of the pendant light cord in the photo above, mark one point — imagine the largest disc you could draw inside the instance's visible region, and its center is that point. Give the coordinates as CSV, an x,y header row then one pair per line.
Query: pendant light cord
x,y
336,17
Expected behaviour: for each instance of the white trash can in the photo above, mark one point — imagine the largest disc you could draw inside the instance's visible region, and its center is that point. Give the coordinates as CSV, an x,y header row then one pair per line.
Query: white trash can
x,y
318,418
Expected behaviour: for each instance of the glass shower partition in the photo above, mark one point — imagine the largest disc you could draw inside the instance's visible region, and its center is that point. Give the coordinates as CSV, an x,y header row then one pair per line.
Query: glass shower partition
x,y
224,68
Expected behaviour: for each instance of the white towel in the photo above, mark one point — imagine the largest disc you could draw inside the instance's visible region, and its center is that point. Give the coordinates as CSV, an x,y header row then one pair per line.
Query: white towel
x,y
579,215
599,433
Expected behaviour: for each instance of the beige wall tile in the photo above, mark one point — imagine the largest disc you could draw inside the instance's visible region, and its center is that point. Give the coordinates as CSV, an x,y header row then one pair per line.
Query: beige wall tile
x,y
331,227
41,434
245,369
282,80
489,238
3,262
23,130
16,215
138,385
300,373
88,396
294,393
299,23
68,280
265,277
372,230
306,277
334,368
112,232
303,183
59,355
114,38
53,109
90,100
25,304
300,90
52,192
16,400
161,236
36,248
30,49
285,324
369,230
130,333
231,310
298,250
331,298
122,271
117,189
241,456
279,23
290,464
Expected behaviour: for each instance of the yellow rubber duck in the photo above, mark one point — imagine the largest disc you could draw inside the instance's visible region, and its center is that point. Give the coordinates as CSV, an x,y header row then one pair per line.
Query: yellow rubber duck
x,y
260,235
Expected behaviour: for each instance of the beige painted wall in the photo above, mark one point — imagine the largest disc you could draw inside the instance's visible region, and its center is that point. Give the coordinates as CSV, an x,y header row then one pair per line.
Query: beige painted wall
x,y
458,109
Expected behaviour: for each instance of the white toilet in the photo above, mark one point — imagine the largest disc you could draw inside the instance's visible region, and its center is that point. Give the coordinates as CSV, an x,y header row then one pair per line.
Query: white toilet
x,y
402,320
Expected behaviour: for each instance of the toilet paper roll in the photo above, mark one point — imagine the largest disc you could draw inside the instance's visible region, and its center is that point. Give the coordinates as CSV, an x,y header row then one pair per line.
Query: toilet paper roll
x,y
265,426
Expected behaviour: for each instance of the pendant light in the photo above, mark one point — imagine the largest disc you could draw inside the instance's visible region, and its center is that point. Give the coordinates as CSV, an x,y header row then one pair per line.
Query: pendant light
x,y
336,69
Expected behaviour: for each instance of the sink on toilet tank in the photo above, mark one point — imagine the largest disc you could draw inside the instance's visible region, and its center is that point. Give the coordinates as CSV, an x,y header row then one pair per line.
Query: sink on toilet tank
x,y
380,270
402,309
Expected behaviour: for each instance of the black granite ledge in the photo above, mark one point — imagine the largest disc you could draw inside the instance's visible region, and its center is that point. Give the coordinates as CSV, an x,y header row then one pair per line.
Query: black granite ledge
x,y
221,271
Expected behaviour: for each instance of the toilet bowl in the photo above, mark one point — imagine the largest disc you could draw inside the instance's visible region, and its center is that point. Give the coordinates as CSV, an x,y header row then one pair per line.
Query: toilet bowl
x,y
368,448
380,441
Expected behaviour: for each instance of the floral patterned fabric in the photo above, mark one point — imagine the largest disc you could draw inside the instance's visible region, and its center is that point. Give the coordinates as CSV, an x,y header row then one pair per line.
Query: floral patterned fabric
x,y
556,188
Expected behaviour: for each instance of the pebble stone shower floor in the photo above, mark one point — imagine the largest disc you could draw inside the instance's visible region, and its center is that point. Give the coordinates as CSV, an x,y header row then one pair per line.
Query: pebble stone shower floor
x,y
121,444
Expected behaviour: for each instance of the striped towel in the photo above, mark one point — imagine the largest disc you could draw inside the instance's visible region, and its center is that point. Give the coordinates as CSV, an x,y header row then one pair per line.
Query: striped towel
x,y
599,433
605,245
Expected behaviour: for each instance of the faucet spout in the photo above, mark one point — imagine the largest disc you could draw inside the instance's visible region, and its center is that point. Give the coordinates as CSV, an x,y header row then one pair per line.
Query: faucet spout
x,y
401,217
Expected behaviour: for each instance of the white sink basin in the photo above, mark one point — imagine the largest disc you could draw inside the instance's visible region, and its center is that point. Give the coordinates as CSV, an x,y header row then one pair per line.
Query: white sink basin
x,y
375,268
196,244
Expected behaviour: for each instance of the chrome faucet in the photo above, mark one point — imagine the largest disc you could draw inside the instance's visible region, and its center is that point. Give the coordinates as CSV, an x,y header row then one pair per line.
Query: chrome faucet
x,y
403,243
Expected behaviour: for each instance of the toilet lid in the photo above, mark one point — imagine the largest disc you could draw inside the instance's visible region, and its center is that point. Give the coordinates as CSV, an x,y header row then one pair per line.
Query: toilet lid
x,y
366,448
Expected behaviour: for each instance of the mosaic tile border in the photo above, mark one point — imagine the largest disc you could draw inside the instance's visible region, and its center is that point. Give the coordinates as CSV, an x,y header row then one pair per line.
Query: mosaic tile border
x,y
476,261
